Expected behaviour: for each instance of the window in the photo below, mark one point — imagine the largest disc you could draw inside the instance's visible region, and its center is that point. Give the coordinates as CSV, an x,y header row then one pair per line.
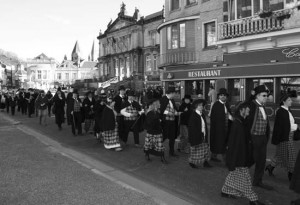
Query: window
x,y
44,72
58,76
39,74
127,67
291,86
74,76
210,38
154,62
148,63
176,36
174,4
153,38
116,61
194,88
190,2
67,76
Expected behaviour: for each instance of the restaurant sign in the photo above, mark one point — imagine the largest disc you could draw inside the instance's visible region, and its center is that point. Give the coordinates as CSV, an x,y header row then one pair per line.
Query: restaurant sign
x,y
204,73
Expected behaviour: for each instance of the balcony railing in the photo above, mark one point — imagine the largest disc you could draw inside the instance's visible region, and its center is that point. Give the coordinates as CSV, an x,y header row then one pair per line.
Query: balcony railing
x,y
184,57
253,25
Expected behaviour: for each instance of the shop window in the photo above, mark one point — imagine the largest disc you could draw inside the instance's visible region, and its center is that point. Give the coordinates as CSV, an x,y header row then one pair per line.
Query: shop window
x,y
234,88
174,4
177,86
194,88
176,36
291,86
210,38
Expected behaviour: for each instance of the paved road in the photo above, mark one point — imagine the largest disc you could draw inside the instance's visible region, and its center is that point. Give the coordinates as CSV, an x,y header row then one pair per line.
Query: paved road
x,y
177,178
33,173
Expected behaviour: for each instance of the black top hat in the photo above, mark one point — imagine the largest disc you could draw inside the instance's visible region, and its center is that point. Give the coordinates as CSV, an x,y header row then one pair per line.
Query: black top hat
x,y
130,93
121,87
261,89
197,102
187,97
223,91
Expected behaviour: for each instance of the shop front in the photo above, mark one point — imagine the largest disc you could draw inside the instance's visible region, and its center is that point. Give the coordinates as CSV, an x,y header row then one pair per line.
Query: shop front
x,y
278,69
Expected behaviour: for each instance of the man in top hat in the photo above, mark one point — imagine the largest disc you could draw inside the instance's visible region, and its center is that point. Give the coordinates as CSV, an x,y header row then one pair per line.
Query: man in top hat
x,y
119,101
260,131
220,120
89,112
131,110
168,111
75,113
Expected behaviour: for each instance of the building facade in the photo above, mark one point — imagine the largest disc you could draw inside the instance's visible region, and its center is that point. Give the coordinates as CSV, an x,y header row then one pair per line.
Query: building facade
x,y
189,43
66,73
128,46
41,72
261,45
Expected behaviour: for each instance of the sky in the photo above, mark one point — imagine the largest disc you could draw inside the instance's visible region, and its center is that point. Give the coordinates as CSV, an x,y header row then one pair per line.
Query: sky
x,y
31,27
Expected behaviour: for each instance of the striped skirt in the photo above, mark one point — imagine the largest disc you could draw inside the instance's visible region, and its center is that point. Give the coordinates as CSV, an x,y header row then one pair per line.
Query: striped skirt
x,y
238,183
285,155
154,142
199,153
111,138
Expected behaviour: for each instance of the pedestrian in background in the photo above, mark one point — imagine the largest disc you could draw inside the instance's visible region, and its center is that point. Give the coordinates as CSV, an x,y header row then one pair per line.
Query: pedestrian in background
x,y
198,136
220,121
59,108
12,103
89,113
99,106
185,109
7,97
110,126
75,115
239,158
260,131
42,104
283,134
119,101
295,182
49,96
31,103
69,102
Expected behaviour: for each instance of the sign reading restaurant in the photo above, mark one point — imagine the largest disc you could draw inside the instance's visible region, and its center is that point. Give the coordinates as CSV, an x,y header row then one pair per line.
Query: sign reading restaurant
x,y
204,73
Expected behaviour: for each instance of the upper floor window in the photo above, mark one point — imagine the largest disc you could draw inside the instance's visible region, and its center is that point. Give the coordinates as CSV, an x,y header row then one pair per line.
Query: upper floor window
x,y
67,76
74,76
174,4
210,35
238,9
58,76
44,74
148,63
190,2
154,62
39,74
152,37
176,36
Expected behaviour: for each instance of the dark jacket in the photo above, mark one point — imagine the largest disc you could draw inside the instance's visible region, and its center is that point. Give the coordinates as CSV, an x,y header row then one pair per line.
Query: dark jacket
x,y
185,115
99,107
164,101
13,101
119,103
41,102
218,131
88,107
152,123
59,105
254,109
71,103
282,126
196,136
108,119
239,152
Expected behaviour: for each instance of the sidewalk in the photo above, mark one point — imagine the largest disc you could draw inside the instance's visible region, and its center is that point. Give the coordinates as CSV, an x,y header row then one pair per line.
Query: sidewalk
x,y
196,186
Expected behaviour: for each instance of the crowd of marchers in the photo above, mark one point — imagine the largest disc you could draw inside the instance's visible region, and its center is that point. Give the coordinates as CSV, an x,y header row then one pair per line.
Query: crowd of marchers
x,y
239,136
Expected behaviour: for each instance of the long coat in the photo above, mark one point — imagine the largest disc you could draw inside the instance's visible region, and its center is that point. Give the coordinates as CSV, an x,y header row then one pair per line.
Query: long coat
x,y
196,136
295,183
239,152
88,109
172,131
59,109
282,126
218,130
99,107
108,119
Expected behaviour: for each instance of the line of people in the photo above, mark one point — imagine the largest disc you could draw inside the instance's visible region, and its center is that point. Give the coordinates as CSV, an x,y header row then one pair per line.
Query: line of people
x,y
241,137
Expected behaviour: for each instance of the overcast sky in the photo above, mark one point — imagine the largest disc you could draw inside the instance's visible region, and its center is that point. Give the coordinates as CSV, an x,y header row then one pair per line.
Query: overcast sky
x,y
31,27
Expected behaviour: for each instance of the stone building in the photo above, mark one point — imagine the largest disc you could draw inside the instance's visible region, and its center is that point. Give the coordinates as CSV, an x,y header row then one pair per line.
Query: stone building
x,y
129,48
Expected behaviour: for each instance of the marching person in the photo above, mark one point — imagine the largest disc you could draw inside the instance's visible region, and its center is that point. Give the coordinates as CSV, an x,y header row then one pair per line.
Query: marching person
x,y
131,110
88,108
154,138
58,108
41,104
220,121
49,96
168,111
99,106
110,126
185,108
283,134
119,101
75,113
12,103
26,96
260,131
7,97
69,104
31,103
239,158
198,136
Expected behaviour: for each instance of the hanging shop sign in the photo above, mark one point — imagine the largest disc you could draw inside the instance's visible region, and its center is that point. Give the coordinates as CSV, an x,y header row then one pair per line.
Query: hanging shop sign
x,y
109,82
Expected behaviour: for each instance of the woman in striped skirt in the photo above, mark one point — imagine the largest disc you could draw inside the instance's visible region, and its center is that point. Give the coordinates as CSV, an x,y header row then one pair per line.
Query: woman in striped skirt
x,y
154,138
197,133
283,134
239,157
110,126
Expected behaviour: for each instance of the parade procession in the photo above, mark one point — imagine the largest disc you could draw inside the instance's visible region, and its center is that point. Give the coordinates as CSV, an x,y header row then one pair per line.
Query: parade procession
x,y
197,102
